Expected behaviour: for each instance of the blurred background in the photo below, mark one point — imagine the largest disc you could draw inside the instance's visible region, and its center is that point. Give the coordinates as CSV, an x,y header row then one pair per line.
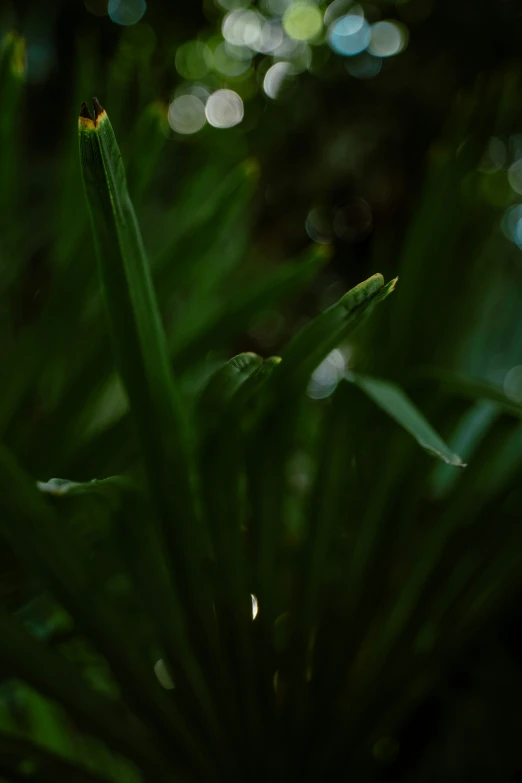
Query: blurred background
x,y
337,108
339,138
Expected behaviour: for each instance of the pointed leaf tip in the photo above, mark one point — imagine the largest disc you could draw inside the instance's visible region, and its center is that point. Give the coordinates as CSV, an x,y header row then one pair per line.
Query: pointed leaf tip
x,y
84,112
98,108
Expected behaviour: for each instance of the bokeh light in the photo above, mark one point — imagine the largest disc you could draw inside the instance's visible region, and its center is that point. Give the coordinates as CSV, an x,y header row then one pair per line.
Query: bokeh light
x,y
270,37
495,189
277,78
194,60
225,62
515,176
302,21
325,378
515,146
319,225
126,12
353,221
238,52
364,66
512,224
163,676
276,7
340,8
349,35
243,27
224,109
198,89
300,472
187,114
494,157
387,39
513,384
297,52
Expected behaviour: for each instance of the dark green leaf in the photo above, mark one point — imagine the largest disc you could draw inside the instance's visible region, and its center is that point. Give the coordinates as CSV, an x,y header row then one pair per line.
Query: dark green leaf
x,y
393,401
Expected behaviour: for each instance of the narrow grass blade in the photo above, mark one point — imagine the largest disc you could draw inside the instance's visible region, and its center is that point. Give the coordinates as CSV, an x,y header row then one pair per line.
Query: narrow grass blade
x,y
315,341
139,548
147,142
460,385
201,203
222,466
327,511
226,236
58,679
109,488
69,251
471,430
141,354
21,757
236,313
35,532
134,318
479,490
231,319
393,401
12,72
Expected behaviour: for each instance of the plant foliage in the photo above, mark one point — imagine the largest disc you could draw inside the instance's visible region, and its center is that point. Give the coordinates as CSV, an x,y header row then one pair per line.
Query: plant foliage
x,y
127,627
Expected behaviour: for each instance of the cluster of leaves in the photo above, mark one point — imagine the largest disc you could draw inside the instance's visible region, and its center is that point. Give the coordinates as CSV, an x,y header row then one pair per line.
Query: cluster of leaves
x,y
231,482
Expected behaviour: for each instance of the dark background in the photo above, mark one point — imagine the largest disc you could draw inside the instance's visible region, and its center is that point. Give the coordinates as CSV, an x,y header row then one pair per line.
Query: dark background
x,y
328,143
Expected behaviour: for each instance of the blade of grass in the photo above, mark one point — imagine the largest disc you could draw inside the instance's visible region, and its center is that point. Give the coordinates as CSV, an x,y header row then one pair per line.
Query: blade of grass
x,y
12,68
393,401
273,436
141,353
139,341
227,236
222,462
469,388
20,756
235,314
150,574
231,319
12,72
472,428
329,499
58,679
478,490
274,432
202,202
35,533
147,143
314,342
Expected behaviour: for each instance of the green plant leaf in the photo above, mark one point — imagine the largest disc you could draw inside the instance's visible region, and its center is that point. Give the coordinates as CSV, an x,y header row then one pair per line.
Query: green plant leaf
x,y
314,342
12,75
472,428
57,678
461,385
141,354
235,314
35,532
393,401
22,757
220,326
139,341
222,467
